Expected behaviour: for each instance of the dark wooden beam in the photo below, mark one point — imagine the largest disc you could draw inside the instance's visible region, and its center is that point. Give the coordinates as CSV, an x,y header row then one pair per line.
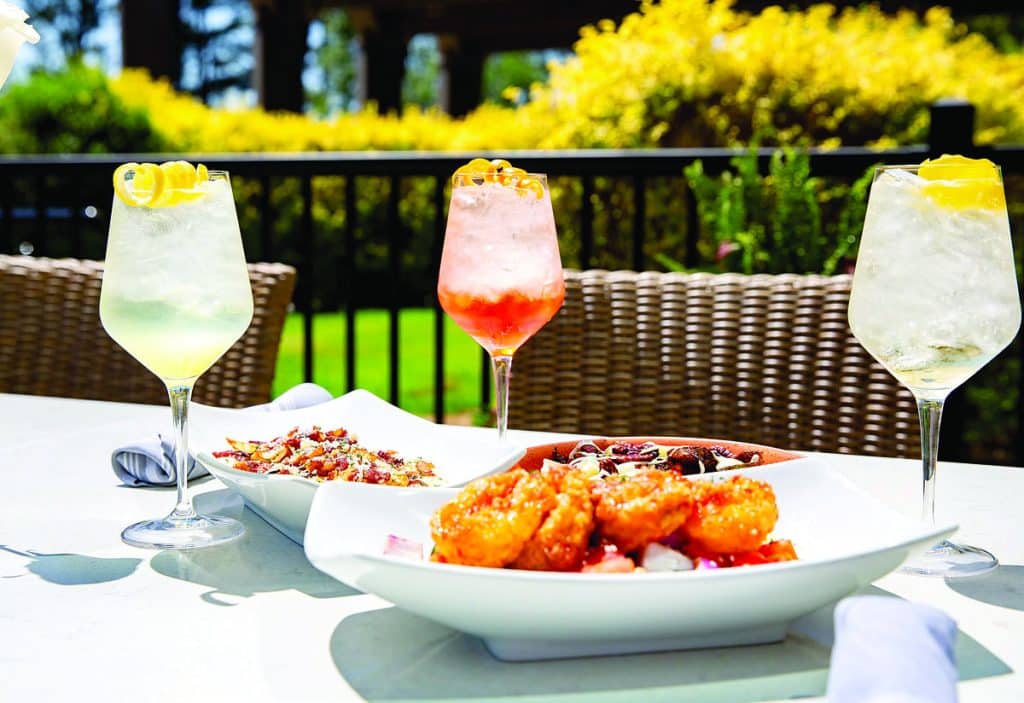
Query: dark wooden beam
x,y
385,42
463,75
280,51
150,37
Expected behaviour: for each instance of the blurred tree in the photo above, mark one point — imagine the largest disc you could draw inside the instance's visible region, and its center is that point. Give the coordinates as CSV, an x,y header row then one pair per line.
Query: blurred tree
x,y
1005,31
68,27
333,63
512,69
422,71
217,39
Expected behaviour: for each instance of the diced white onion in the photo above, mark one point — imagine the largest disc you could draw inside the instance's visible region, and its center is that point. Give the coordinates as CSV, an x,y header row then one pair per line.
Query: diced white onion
x,y
658,557
403,548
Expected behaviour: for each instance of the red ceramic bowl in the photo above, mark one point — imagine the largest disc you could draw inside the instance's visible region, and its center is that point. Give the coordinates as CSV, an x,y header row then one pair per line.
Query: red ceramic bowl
x,y
535,455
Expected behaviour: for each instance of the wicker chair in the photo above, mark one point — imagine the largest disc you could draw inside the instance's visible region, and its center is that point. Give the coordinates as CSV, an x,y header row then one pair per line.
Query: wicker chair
x,y
767,359
52,343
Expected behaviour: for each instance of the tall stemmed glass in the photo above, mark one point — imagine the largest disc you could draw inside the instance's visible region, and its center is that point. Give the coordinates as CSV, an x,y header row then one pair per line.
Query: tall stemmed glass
x,y
501,275
176,296
934,299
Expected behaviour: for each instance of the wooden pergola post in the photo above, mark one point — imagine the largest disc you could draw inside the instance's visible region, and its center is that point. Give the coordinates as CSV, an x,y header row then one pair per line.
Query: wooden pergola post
x,y
462,75
150,37
384,42
280,52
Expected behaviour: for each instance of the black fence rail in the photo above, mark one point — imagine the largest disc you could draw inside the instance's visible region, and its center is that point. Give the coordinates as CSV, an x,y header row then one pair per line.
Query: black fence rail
x,y
58,205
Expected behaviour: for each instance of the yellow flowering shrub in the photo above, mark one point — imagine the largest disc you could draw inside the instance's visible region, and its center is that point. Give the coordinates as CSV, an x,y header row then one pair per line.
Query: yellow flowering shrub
x,y
675,73
693,73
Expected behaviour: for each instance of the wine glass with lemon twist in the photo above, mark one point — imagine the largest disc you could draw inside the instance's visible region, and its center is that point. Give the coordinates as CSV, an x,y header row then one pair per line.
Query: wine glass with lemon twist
x,y
176,296
501,274
935,298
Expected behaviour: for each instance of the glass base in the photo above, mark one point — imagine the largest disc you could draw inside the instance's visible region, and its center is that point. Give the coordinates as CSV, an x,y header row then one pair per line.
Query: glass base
x,y
950,560
183,533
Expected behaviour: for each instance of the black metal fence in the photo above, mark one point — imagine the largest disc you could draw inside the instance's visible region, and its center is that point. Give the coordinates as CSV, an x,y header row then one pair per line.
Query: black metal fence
x,y
57,205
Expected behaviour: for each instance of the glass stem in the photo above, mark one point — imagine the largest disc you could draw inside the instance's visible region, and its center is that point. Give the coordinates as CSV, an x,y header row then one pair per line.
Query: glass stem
x,y
502,373
180,397
930,414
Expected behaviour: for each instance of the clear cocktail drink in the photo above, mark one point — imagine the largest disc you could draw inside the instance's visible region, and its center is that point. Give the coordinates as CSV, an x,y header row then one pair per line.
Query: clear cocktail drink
x,y
935,291
176,296
935,298
176,291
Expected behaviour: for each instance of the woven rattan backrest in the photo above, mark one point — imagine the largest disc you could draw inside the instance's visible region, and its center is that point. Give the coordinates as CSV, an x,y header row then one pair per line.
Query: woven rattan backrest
x,y
767,359
52,343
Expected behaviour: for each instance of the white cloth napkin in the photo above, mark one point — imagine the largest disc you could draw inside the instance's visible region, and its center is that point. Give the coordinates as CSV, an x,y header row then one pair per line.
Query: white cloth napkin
x,y
151,462
889,650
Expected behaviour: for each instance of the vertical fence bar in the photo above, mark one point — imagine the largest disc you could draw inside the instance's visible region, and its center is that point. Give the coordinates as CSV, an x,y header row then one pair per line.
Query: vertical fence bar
x,y
77,240
692,254
41,234
439,222
639,221
10,246
349,275
395,269
485,383
307,277
266,220
587,222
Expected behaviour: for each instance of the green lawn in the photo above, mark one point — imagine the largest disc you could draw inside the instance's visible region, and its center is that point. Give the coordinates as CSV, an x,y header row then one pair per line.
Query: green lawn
x,y
416,363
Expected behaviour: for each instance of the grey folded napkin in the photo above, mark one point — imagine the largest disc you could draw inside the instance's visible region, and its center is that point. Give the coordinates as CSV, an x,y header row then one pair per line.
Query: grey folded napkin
x,y
889,650
151,462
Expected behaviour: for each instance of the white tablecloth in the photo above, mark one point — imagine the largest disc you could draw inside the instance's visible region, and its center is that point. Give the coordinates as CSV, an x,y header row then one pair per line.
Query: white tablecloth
x,y
85,617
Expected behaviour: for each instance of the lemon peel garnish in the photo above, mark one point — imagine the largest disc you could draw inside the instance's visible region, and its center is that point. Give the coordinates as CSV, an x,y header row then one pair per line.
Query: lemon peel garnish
x,y
163,185
480,171
958,183
146,186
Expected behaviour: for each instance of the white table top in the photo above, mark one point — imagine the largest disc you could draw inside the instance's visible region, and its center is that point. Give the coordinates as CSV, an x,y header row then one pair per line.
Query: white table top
x,y
83,616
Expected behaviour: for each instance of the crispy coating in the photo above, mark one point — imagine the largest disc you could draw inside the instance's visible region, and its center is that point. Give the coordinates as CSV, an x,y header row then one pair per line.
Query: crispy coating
x,y
490,521
561,541
735,515
641,508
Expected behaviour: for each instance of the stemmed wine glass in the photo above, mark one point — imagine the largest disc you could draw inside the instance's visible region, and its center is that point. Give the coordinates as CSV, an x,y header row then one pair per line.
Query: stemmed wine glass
x,y
501,274
176,296
934,299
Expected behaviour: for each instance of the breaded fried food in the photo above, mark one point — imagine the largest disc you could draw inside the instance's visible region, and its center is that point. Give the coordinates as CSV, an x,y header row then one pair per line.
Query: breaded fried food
x,y
491,520
561,541
646,506
735,515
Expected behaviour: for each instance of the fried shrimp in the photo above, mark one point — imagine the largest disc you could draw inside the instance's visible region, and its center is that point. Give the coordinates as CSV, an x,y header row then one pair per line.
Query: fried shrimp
x,y
642,508
736,515
561,541
490,521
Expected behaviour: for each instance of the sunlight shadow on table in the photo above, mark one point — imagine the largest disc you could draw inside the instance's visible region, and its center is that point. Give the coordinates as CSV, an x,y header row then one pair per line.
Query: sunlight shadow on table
x,y
442,664
66,569
263,560
1004,586
388,654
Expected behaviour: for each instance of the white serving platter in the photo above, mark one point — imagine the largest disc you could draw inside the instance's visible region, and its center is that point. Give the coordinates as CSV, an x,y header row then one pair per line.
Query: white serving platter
x,y
845,539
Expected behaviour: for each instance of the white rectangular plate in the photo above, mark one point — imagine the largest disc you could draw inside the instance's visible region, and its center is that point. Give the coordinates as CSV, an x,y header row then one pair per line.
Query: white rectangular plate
x,y
845,539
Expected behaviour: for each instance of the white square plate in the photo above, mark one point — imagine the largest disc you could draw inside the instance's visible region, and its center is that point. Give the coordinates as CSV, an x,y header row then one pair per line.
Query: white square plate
x,y
845,540
284,501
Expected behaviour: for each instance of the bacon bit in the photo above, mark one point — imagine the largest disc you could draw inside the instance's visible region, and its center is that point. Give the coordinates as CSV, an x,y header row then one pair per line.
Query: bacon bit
x,y
375,475
232,453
